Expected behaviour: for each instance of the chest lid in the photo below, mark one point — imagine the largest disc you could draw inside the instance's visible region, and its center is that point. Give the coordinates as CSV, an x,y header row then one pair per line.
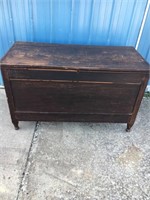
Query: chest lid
x,y
78,57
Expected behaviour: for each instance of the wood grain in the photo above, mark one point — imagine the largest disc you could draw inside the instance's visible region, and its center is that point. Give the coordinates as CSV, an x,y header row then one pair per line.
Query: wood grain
x,y
75,57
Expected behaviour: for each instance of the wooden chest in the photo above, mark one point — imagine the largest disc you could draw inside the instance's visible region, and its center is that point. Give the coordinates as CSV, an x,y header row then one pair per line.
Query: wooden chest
x,y
47,82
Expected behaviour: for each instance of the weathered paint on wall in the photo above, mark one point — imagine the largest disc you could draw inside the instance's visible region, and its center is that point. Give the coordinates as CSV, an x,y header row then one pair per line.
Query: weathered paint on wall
x,y
96,22
144,45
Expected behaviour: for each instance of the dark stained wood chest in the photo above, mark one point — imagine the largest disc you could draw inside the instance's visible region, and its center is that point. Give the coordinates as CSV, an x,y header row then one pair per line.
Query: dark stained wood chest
x,y
46,82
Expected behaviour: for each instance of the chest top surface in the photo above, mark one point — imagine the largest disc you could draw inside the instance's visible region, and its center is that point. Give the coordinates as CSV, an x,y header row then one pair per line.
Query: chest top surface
x,y
75,57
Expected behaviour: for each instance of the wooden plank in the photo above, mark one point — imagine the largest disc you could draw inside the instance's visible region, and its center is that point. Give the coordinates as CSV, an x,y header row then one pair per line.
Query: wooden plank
x,y
75,57
42,74
73,97
72,117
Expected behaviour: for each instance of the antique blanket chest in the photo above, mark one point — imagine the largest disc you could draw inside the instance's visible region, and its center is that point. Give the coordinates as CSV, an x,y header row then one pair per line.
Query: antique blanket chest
x,y
48,82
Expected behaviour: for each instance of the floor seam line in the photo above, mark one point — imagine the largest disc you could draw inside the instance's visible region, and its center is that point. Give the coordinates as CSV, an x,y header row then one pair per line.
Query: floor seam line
x,y
27,160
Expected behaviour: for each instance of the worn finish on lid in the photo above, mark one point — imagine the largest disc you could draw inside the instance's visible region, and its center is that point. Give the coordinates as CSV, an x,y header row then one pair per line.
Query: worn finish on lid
x,y
75,57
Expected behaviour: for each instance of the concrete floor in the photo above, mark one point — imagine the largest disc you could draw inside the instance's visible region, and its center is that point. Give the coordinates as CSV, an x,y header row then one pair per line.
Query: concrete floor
x,y
80,161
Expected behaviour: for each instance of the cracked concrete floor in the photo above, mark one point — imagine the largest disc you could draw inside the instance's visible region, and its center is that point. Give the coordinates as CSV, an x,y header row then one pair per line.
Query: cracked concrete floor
x,y
53,161
14,149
